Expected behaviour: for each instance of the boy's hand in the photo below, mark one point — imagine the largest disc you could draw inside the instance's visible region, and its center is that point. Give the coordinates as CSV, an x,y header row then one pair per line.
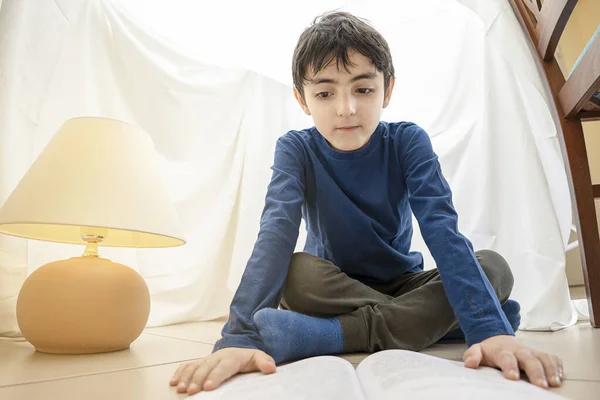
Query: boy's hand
x,y
508,354
208,373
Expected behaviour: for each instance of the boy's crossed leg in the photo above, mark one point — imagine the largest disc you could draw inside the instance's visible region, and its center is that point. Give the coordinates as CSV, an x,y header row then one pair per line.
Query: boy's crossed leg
x,y
334,313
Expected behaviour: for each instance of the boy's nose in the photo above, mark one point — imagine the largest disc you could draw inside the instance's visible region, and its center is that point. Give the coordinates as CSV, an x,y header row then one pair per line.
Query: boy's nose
x,y
346,106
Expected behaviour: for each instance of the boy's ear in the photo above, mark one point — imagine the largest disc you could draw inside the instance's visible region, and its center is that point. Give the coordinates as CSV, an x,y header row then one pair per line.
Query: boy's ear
x,y
388,92
301,101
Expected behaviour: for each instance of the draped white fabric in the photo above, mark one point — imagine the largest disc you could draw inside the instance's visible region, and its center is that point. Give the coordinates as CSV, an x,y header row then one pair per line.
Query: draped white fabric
x,y
211,84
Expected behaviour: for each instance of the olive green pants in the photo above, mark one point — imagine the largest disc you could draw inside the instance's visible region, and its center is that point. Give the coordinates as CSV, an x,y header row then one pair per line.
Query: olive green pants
x,y
411,312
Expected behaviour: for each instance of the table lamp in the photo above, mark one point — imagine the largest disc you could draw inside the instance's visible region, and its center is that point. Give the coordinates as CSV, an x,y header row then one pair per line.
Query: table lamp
x,y
97,182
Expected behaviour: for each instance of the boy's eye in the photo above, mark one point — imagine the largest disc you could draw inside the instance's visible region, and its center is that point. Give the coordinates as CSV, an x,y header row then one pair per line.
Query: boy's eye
x,y
323,95
365,90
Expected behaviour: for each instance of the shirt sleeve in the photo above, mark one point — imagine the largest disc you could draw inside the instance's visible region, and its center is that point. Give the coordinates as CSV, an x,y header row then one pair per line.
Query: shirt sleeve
x,y
469,291
264,277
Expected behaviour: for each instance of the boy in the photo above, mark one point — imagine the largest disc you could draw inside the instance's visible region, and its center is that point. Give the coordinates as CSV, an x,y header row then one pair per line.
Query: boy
x,y
358,287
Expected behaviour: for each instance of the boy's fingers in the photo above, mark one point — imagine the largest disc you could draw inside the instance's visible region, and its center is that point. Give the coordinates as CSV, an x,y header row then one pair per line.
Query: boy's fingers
x,y
184,370
533,368
259,361
265,363
550,368
186,375
175,378
196,382
473,356
561,371
220,373
508,363
177,375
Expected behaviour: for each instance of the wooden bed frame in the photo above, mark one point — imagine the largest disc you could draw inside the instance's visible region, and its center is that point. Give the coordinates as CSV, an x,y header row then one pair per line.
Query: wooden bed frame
x,y
544,23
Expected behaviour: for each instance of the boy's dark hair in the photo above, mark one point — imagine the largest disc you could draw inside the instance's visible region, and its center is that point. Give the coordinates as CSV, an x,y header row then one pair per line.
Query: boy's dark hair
x,y
330,37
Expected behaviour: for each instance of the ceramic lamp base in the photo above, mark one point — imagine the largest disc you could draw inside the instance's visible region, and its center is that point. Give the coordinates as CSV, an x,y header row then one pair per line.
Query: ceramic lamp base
x,y
83,305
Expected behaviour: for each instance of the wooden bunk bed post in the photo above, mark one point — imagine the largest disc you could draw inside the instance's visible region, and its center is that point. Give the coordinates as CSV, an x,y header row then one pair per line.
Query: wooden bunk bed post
x,y
555,15
544,24
583,82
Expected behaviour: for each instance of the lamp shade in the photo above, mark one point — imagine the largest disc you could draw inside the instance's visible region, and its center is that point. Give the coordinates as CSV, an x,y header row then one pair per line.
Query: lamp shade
x,y
94,173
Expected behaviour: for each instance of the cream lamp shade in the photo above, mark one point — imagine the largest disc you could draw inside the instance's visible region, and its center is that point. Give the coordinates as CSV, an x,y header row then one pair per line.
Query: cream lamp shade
x,y
96,182
95,172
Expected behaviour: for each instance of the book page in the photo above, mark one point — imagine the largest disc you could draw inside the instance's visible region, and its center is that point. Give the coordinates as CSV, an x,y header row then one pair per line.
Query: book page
x,y
323,377
394,374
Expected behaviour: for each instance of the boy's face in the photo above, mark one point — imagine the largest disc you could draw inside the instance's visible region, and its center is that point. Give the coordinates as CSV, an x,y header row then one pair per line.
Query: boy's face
x,y
346,107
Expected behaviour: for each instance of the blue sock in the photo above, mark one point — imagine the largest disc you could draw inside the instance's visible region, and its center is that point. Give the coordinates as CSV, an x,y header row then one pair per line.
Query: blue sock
x,y
511,309
289,336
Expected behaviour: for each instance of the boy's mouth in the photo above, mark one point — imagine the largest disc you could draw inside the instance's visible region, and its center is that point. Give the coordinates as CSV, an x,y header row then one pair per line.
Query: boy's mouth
x,y
348,128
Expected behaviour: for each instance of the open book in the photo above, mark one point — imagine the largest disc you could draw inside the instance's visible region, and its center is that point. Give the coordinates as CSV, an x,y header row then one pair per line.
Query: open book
x,y
389,374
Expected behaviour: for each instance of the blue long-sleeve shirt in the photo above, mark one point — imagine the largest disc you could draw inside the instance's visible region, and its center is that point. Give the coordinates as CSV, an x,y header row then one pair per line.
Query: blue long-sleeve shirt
x,y
357,207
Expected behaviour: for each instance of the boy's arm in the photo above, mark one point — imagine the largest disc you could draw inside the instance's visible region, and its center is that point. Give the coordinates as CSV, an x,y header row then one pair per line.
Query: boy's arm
x,y
264,277
467,287
489,336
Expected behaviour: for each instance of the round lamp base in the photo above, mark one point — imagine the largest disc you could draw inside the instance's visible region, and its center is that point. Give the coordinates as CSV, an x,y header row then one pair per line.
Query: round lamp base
x,y
83,305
